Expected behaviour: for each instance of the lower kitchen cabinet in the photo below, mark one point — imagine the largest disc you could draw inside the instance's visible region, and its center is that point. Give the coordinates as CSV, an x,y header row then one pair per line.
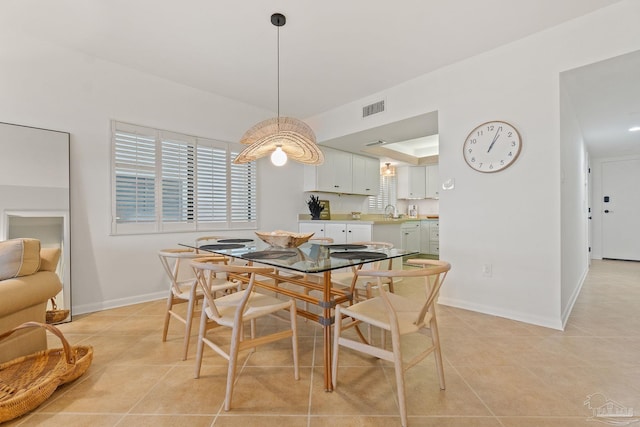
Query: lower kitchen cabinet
x,y
340,232
430,233
411,236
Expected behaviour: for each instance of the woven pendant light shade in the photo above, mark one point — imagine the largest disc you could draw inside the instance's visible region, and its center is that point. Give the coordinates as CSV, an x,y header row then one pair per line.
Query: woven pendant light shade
x,y
294,136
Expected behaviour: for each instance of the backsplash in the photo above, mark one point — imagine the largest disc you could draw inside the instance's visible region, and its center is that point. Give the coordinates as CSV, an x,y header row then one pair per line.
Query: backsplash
x,y
343,204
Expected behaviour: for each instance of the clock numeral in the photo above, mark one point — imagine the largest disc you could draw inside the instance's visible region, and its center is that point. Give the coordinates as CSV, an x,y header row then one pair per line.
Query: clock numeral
x,y
480,133
501,162
510,154
473,160
513,143
490,166
509,134
473,141
490,128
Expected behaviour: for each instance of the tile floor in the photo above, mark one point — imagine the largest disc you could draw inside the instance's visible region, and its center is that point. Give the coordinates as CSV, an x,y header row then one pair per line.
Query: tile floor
x,y
499,372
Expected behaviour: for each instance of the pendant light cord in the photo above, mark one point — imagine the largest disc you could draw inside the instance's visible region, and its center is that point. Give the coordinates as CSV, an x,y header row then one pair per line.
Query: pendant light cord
x,y
278,74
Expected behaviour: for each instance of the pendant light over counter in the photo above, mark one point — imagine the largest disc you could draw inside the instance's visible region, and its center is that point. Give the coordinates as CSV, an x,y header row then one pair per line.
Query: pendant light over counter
x,y
281,137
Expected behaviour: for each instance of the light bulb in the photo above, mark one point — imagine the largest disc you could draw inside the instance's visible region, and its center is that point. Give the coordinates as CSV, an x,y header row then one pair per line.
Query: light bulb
x,y
278,157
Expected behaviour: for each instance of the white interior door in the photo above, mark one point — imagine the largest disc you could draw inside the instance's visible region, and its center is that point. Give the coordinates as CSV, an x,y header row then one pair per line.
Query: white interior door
x,y
621,209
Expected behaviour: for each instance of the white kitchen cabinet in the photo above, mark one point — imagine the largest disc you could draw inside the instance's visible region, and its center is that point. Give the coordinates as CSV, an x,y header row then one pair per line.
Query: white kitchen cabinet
x,y
333,176
434,239
430,233
366,175
388,232
316,227
411,236
348,232
432,182
412,182
340,232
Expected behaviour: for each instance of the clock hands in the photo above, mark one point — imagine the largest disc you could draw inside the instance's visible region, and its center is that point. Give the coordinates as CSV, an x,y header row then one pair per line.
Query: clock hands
x,y
495,138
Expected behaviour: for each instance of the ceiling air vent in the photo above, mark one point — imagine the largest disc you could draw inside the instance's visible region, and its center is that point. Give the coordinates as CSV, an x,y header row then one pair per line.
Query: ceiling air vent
x,y
375,108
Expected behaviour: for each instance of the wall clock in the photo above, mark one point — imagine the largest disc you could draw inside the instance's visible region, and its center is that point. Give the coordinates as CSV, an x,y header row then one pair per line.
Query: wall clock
x,y
492,146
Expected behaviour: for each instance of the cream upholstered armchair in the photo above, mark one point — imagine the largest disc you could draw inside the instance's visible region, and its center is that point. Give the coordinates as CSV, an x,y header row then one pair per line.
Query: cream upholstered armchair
x,y
27,282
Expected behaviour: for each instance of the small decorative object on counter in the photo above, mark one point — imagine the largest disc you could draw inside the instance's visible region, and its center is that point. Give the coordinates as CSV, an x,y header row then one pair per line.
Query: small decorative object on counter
x,y
355,215
315,207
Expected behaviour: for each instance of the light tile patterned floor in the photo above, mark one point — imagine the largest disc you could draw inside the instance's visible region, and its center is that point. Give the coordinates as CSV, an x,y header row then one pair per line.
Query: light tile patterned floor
x,y
499,372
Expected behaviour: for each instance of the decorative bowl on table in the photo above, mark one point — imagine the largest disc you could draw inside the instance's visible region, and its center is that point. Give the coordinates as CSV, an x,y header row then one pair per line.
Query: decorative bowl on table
x,y
283,239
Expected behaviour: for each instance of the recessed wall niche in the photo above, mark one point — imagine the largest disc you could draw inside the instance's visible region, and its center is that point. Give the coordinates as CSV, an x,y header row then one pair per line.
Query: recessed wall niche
x,y
34,193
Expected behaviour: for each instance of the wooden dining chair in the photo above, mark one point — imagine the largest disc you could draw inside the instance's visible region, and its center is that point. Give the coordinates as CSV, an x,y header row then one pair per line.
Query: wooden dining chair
x,y
400,316
233,310
360,287
203,240
183,289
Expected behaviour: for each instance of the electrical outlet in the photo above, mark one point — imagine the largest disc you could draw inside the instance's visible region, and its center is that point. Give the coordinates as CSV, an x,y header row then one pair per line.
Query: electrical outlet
x,y
486,270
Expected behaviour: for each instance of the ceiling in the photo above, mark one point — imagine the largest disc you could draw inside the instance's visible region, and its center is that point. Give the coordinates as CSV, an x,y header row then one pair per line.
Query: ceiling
x,y
606,99
332,52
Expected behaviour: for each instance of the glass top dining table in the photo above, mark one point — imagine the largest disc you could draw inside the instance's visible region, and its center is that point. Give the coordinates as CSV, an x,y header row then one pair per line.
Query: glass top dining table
x,y
306,267
306,258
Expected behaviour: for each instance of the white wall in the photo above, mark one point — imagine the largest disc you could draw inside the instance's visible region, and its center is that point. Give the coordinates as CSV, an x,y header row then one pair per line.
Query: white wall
x,y
573,206
512,219
49,87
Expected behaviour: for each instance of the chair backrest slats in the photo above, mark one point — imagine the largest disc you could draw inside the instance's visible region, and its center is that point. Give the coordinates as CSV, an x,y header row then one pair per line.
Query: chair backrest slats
x,y
433,271
212,264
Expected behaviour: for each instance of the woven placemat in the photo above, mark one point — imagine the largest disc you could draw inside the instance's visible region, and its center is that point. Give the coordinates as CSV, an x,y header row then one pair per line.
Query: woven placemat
x,y
358,255
270,255
347,246
222,246
235,240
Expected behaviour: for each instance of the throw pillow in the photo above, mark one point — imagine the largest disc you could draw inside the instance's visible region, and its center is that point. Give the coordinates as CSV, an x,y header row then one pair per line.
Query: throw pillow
x,y
49,258
19,257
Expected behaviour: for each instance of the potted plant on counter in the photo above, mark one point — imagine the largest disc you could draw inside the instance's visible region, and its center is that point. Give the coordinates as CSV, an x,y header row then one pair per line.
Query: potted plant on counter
x,y
315,207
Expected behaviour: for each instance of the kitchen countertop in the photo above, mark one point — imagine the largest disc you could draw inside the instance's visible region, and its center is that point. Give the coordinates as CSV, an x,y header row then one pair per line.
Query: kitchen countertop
x,y
367,219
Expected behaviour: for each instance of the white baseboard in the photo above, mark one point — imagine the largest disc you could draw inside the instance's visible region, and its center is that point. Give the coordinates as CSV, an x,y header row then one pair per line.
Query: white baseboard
x,y
494,311
122,302
566,311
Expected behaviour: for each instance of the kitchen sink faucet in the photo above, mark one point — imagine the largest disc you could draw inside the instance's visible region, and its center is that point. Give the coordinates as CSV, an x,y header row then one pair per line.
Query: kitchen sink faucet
x,y
390,211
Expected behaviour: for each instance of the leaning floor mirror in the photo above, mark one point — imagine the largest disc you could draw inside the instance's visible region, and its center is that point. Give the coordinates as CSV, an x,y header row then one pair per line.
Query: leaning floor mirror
x,y
34,194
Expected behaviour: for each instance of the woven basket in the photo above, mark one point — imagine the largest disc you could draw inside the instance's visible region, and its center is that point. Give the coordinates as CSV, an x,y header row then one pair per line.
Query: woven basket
x,y
54,315
28,381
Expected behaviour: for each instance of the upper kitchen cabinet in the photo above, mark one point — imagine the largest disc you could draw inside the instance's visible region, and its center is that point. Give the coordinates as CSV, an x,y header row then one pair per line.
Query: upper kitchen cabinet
x,y
366,175
418,182
433,182
343,172
412,182
333,176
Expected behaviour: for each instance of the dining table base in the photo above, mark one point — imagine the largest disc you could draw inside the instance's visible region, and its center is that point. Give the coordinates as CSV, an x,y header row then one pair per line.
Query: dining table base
x,y
330,297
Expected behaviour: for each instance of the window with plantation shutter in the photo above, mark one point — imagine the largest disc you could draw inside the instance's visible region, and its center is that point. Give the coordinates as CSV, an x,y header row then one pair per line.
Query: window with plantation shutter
x,y
134,166
243,202
386,196
165,182
178,163
212,184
